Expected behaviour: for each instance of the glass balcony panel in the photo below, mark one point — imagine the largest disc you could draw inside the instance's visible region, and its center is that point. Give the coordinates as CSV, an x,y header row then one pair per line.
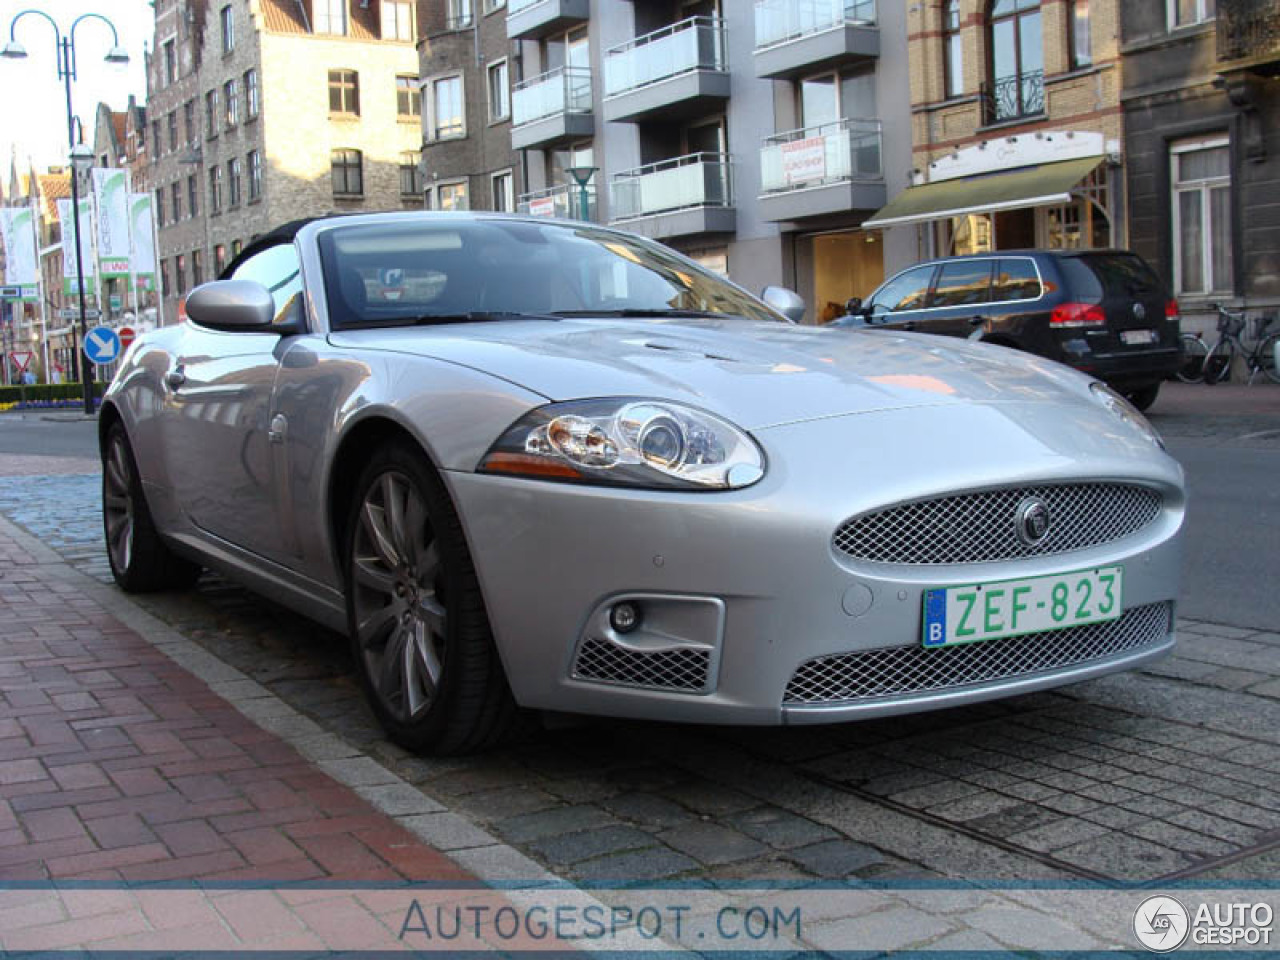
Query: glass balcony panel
x,y
844,150
563,90
695,180
781,20
515,6
693,44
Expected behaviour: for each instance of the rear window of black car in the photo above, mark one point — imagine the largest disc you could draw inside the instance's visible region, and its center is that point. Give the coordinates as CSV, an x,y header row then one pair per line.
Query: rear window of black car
x,y
1119,274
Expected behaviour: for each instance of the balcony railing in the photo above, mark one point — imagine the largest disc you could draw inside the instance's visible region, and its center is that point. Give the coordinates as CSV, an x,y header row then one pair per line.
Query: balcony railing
x,y
1014,96
695,180
562,90
833,152
693,44
562,201
778,21
1248,30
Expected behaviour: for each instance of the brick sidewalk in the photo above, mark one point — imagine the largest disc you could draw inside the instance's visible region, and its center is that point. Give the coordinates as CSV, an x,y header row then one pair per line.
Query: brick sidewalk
x,y
116,764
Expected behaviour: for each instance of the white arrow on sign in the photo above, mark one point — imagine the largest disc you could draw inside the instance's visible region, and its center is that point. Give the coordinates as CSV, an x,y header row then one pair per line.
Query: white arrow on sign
x,y
101,345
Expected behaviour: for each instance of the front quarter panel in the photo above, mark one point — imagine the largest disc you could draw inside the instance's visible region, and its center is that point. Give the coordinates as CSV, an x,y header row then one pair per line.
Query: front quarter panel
x,y
138,393
325,393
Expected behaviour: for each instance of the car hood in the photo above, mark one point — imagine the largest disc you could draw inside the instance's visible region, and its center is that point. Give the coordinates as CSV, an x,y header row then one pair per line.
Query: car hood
x,y
757,374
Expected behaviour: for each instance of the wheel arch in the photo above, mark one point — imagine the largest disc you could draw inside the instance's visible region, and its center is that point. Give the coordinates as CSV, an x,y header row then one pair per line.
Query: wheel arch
x,y
108,416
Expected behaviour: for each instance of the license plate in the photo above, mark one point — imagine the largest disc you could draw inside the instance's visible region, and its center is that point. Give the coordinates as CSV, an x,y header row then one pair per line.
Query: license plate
x,y
1134,337
1011,608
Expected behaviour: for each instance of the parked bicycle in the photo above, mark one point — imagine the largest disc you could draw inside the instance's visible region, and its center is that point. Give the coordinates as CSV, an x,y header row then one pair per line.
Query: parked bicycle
x,y
1194,350
1220,359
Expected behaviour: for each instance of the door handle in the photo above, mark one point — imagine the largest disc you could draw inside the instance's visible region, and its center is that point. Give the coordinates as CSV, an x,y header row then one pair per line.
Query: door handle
x,y
175,378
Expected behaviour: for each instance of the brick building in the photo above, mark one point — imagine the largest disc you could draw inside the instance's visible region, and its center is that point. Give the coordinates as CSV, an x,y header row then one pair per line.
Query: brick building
x,y
1202,132
270,110
1017,128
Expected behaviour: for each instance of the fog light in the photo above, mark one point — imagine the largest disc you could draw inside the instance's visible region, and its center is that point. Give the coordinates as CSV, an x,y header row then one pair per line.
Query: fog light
x,y
624,617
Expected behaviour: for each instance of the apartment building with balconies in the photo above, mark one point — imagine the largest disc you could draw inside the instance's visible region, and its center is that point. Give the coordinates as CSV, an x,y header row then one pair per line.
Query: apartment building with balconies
x,y
745,134
1202,135
1015,110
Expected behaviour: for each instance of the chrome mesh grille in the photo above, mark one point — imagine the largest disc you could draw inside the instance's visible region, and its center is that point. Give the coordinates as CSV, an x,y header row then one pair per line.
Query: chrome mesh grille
x,y
894,671
980,527
680,669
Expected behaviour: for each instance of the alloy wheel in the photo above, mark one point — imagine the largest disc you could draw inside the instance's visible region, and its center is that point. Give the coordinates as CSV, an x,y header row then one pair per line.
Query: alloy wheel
x,y
397,578
118,504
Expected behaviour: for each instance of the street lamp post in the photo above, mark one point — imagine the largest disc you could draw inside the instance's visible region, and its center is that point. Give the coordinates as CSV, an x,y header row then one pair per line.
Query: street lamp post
x,y
582,176
81,156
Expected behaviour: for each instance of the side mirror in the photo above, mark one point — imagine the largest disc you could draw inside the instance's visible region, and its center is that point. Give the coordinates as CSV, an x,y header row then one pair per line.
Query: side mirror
x,y
853,306
786,302
233,306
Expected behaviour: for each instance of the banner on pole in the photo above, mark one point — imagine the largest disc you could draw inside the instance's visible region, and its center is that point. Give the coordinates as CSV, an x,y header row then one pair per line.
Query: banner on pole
x,y
18,233
69,254
142,249
111,197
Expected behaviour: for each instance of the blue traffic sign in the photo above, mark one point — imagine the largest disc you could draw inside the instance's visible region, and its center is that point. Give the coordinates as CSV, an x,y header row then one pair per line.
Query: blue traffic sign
x,y
101,345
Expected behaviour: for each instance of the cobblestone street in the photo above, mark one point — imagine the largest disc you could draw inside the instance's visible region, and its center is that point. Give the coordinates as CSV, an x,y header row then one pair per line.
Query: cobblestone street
x,y
1166,774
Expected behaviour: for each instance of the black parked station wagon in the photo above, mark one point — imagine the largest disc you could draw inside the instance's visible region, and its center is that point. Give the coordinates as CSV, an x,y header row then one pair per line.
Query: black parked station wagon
x,y
1104,312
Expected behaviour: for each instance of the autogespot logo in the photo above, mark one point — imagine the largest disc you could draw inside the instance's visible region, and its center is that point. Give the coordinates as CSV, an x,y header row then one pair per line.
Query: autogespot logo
x,y
1161,923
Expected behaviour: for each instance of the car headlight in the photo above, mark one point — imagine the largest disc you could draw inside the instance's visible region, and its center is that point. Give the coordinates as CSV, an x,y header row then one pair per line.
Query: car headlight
x,y
628,442
1126,411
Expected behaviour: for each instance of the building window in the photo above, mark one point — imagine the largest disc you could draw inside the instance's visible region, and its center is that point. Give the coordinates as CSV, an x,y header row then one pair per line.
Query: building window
x,y
331,16
348,173
189,121
215,189
1017,59
231,94
504,198
197,272
233,182
165,289
175,195
172,121
219,259
952,49
155,137
180,273
255,174
193,195
499,92
408,97
1186,13
410,174
448,196
447,117
170,63
228,30
491,6
159,207
1078,30
236,247
344,92
459,14
251,94
1201,177
397,20
211,114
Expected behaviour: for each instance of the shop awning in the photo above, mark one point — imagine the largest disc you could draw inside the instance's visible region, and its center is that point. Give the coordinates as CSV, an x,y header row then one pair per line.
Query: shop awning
x,y
1045,183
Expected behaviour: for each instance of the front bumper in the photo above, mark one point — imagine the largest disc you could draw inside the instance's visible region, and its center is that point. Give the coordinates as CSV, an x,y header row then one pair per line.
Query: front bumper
x,y
754,574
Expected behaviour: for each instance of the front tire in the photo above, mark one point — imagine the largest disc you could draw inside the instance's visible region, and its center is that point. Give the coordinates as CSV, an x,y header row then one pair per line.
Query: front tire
x,y
1267,357
419,632
140,561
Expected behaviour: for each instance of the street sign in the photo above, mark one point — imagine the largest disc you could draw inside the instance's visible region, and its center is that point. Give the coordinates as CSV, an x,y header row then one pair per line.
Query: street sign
x,y
73,313
10,293
20,359
126,336
101,345
116,301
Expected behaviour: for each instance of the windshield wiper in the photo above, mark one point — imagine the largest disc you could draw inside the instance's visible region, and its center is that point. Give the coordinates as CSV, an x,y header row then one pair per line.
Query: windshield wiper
x,y
440,319
640,312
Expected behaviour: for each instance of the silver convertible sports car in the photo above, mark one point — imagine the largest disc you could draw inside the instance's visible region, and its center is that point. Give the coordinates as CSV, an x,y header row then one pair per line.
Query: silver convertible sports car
x,y
533,465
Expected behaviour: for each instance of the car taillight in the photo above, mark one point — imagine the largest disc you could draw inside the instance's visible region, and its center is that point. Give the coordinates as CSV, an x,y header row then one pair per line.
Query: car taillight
x,y
1077,315
1171,309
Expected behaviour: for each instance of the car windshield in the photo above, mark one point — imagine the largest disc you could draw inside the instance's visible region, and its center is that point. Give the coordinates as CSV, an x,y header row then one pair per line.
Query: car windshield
x,y
422,271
